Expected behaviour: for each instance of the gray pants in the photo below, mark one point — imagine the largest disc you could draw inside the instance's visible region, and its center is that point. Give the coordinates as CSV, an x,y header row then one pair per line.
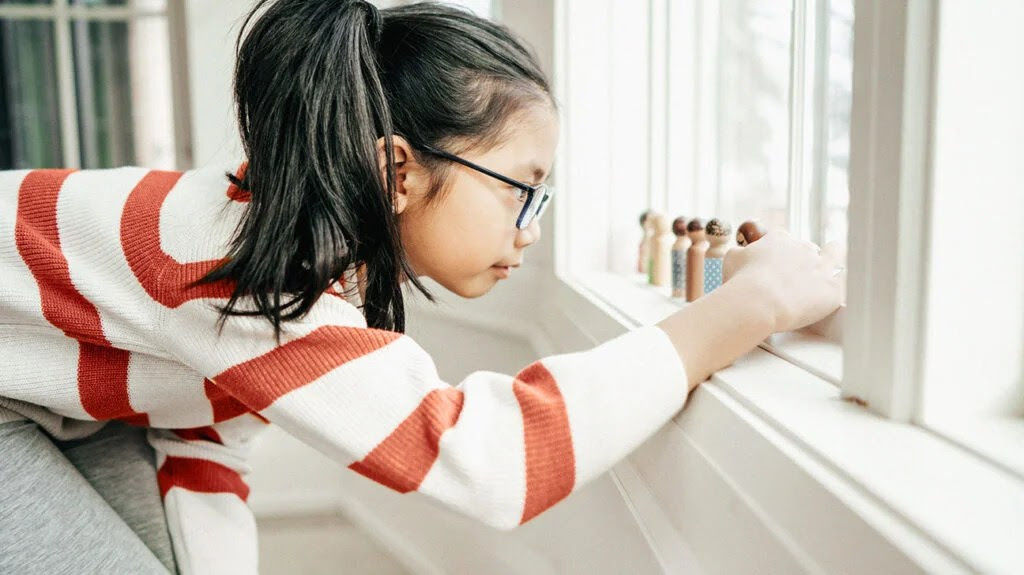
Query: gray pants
x,y
86,506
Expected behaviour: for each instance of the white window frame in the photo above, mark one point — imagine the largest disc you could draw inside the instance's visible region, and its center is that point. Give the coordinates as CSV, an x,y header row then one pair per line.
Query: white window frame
x,y
61,13
781,440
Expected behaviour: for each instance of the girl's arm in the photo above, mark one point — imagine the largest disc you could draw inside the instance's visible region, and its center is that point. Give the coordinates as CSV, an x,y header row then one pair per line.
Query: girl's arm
x,y
499,448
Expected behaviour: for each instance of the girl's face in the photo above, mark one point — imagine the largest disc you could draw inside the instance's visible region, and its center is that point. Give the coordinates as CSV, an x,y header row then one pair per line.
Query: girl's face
x,y
466,239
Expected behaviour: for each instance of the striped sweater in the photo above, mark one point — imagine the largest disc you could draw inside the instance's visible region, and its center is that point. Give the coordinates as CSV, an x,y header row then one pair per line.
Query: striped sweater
x,y
99,322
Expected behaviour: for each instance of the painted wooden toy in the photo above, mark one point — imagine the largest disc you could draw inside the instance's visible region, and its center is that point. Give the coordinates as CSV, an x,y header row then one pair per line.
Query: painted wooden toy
x,y
661,250
718,233
695,259
643,259
749,232
679,249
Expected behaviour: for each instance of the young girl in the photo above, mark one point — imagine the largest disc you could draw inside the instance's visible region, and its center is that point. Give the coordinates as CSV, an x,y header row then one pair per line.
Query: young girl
x,y
381,147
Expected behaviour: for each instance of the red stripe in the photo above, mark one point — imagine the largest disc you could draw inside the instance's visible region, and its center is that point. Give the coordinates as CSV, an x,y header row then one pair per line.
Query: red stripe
x,y
102,370
257,383
403,459
103,384
164,279
201,476
235,193
550,459
199,434
38,241
224,406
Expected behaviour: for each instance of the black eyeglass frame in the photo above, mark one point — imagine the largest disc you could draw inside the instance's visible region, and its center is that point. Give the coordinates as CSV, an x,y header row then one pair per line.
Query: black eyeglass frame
x,y
541,191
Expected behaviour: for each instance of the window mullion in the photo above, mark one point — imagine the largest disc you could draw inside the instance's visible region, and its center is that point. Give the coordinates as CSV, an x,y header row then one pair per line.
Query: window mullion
x,y
707,114
180,100
657,119
66,86
819,132
890,158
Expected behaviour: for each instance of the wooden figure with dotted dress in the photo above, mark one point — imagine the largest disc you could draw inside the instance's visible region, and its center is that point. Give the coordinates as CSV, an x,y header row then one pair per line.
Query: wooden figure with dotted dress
x,y
718,235
679,249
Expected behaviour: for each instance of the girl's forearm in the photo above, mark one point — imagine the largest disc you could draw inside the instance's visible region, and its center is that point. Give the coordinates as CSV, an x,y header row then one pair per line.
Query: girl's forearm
x,y
713,331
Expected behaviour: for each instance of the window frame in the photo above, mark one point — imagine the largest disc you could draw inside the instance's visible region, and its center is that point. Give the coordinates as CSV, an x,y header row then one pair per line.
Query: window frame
x,y
803,424
61,14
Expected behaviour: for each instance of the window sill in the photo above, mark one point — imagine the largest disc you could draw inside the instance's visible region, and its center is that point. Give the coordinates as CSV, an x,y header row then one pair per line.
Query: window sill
x,y
777,440
816,349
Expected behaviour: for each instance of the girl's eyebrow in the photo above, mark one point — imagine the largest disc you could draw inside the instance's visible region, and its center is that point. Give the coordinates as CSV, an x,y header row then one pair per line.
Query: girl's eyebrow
x,y
538,172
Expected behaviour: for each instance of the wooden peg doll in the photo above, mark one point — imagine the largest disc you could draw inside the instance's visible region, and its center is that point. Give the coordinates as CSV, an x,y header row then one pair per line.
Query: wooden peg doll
x,y
679,249
695,259
643,259
748,233
718,233
661,250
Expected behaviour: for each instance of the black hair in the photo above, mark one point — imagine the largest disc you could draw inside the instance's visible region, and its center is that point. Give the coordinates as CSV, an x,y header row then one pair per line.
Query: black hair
x,y
317,83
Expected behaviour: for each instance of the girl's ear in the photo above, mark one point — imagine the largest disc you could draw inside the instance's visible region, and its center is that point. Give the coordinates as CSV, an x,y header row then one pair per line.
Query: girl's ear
x,y
411,179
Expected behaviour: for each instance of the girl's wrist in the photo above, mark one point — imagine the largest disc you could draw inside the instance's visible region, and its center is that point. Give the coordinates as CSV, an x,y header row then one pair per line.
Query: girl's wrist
x,y
756,298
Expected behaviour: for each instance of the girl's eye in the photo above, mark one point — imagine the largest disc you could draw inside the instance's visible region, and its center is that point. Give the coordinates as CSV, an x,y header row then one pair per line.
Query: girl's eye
x,y
520,194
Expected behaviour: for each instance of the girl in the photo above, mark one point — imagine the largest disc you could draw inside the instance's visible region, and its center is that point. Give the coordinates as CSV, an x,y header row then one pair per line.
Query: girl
x,y
381,147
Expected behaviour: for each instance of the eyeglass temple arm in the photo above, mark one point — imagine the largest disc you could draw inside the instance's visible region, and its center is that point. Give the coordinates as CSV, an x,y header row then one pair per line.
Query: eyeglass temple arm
x,y
468,164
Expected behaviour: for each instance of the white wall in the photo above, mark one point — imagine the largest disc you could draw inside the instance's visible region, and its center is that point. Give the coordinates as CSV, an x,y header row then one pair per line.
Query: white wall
x,y
211,29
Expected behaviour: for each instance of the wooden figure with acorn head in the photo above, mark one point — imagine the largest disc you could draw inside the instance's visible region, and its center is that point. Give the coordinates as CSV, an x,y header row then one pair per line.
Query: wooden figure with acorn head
x,y
717,233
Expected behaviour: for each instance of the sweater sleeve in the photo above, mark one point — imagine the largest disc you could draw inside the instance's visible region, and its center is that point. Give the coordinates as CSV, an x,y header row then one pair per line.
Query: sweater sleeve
x,y
499,448
200,473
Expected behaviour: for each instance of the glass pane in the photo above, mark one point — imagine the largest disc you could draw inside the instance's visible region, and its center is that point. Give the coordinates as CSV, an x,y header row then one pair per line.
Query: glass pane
x,y
100,2
26,1
840,93
29,106
125,109
753,118
103,81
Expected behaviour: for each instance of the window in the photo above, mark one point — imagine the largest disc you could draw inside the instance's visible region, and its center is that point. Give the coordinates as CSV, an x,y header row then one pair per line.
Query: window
x,y
730,109
902,128
88,83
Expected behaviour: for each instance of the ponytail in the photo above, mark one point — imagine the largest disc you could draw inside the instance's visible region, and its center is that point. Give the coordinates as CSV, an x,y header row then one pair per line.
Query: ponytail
x,y
317,84
319,204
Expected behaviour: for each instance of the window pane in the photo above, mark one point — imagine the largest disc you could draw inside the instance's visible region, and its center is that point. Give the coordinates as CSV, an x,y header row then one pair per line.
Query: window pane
x,y
103,81
25,1
29,118
753,111
100,2
840,91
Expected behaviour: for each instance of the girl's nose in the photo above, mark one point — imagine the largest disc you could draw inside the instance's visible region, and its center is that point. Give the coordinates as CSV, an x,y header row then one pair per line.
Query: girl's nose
x,y
529,235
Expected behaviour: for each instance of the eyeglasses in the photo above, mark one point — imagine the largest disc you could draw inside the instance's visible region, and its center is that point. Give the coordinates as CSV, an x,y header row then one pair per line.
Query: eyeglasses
x,y
537,197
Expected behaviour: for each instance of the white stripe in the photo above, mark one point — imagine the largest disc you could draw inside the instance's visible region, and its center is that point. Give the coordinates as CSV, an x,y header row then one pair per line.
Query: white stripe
x,y
233,454
192,333
19,294
211,532
349,411
40,366
481,467
613,405
169,392
197,219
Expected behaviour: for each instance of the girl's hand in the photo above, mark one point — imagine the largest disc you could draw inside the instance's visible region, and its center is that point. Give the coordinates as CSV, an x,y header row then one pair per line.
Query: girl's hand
x,y
799,282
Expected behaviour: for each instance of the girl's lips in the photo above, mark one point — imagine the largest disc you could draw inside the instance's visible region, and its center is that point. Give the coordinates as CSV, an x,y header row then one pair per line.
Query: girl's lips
x,y
502,271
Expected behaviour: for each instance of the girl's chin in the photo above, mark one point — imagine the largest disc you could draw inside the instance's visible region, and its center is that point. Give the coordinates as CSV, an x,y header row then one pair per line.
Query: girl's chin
x,y
471,288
